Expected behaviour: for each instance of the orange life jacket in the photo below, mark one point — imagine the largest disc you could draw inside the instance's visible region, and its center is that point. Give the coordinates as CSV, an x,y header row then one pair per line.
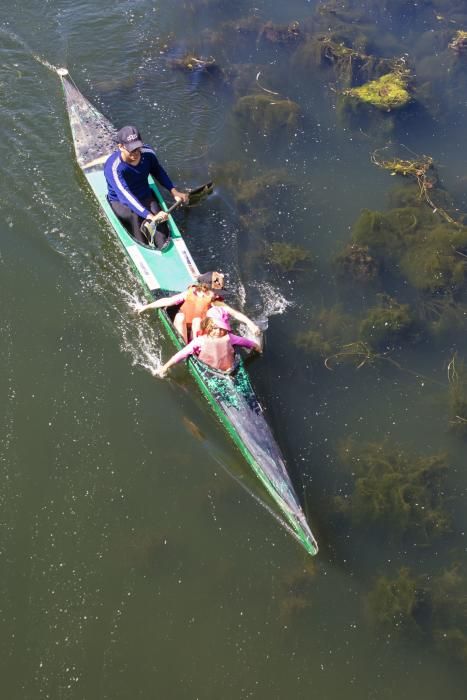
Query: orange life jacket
x,y
196,304
217,352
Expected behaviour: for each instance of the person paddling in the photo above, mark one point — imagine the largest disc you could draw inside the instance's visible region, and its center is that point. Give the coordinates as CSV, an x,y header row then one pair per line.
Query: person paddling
x,y
195,302
216,346
132,200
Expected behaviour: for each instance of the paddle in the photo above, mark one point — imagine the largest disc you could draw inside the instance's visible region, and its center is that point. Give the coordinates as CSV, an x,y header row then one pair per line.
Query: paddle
x,y
199,193
195,196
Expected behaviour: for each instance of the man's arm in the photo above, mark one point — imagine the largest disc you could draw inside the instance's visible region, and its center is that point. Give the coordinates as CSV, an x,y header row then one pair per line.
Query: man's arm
x,y
159,174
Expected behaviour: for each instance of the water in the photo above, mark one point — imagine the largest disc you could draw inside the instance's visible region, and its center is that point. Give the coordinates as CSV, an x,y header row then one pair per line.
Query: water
x,y
133,563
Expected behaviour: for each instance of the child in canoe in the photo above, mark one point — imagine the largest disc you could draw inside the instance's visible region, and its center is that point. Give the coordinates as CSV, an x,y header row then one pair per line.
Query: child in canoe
x,y
215,347
194,304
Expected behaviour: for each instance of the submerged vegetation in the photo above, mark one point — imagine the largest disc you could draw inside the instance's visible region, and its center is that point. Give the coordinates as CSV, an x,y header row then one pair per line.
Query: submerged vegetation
x,y
327,333
268,114
388,324
434,608
287,256
398,493
394,603
457,377
430,253
355,263
414,250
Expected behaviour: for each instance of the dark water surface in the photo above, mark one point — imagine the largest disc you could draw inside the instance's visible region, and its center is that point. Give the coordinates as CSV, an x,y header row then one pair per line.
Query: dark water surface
x,y
133,563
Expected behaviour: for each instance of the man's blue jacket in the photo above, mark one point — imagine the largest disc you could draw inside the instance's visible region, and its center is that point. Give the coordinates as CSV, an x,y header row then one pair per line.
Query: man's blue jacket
x,y
128,184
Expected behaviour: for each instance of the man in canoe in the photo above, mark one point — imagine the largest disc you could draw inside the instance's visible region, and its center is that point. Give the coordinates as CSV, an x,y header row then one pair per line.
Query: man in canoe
x,y
215,347
195,303
132,200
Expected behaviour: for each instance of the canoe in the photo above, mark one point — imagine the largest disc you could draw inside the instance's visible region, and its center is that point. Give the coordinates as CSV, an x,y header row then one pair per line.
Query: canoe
x,y
231,395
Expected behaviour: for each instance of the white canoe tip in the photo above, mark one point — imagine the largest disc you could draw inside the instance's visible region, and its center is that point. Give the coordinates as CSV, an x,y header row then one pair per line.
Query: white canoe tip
x,y
62,72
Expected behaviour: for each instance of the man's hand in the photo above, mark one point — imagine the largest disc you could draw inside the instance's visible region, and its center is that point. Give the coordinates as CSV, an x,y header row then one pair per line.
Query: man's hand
x,y
159,217
179,196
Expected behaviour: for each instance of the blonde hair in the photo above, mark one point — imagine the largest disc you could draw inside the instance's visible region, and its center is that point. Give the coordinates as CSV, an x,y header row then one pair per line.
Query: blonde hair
x,y
207,325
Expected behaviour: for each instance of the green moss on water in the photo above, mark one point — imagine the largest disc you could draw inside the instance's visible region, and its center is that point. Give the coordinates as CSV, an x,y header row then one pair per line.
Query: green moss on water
x,y
345,56
399,493
386,93
459,41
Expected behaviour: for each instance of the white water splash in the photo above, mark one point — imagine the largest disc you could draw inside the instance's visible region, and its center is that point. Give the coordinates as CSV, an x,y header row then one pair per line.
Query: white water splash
x,y
139,338
272,303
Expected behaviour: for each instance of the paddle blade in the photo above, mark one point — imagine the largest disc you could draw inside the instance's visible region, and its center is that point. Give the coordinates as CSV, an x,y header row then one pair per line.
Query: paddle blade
x,y
199,193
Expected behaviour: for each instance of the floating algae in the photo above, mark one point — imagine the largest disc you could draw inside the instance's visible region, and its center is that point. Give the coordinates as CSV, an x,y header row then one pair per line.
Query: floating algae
x,y
422,169
400,493
459,42
387,93
350,65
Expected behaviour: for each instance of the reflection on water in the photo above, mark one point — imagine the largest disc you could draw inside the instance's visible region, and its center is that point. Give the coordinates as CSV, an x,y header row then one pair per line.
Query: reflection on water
x,y
133,562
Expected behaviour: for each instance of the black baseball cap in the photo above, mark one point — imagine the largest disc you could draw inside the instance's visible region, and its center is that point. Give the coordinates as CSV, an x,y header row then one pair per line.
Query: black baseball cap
x,y
130,138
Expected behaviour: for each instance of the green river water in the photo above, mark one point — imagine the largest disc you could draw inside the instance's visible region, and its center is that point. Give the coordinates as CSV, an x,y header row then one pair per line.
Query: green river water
x,y
133,563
